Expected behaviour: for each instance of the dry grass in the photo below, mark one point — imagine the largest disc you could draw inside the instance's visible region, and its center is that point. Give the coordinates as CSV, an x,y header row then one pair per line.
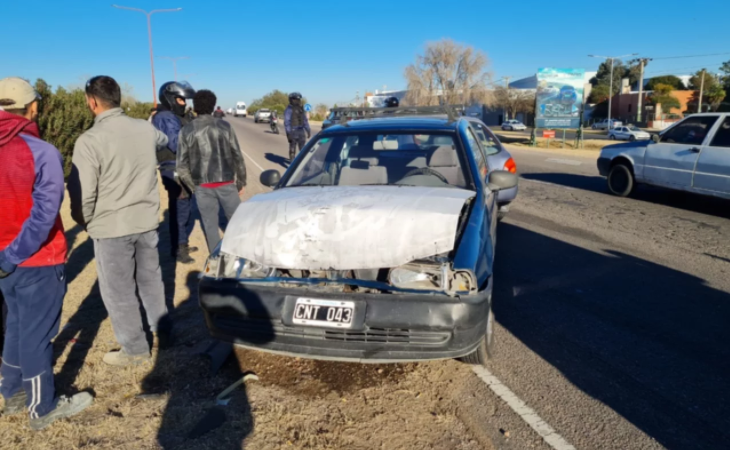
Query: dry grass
x,y
298,404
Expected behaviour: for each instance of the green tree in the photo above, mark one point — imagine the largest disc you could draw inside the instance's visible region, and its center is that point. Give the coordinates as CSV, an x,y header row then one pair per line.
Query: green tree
x,y
599,93
725,77
663,95
714,96
712,92
603,75
671,80
275,100
633,71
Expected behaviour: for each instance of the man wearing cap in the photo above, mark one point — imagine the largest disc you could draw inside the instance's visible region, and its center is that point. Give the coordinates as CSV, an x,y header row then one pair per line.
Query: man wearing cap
x,y
32,258
114,194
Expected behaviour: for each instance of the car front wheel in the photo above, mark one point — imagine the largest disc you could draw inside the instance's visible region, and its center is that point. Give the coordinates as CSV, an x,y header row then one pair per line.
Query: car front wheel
x,y
621,180
632,138
485,350
612,137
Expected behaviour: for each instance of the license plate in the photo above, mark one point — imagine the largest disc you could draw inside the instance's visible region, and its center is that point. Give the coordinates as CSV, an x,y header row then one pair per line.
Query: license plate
x,y
323,313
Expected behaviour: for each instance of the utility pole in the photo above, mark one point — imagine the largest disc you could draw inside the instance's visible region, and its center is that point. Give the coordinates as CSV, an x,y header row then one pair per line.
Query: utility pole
x,y
702,88
509,100
642,61
174,60
149,35
610,91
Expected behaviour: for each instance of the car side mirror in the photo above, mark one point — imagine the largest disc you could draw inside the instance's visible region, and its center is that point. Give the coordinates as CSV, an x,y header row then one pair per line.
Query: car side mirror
x,y
270,177
500,180
656,138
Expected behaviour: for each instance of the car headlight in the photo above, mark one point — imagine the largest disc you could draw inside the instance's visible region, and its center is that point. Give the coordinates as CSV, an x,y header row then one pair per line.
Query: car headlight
x,y
221,265
433,277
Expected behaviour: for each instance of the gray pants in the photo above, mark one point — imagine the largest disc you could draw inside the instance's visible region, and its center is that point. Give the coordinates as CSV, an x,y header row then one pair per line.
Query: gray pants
x,y
127,266
209,202
297,138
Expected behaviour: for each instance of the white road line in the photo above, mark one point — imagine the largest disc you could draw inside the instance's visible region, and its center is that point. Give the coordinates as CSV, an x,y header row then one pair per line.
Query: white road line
x,y
567,162
527,414
252,160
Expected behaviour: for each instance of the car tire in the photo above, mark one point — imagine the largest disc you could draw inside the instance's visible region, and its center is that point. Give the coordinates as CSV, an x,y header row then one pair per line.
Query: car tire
x,y
632,138
485,351
620,180
612,137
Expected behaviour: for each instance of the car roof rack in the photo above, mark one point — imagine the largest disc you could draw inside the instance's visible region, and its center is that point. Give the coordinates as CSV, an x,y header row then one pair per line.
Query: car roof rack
x,y
355,113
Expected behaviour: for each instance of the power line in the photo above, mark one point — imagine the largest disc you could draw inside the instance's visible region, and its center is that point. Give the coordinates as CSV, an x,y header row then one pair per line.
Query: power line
x,y
665,71
692,56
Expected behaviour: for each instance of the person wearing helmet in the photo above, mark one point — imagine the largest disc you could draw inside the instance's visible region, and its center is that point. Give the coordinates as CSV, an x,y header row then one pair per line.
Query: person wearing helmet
x,y
218,113
296,124
170,118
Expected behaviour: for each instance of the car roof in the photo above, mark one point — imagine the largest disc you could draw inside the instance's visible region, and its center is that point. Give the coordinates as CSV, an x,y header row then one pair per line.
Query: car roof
x,y
422,123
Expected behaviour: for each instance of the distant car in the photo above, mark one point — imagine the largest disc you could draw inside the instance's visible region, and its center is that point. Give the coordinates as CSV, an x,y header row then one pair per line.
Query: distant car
x,y
229,111
693,155
498,158
261,115
628,133
604,124
513,125
240,110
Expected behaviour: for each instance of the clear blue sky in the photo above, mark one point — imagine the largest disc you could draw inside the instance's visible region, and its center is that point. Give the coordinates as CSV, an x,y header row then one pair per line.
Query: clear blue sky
x,y
328,50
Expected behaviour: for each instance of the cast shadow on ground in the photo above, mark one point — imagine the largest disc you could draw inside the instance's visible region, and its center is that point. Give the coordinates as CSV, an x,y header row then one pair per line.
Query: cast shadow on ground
x,y
185,380
650,194
648,341
280,160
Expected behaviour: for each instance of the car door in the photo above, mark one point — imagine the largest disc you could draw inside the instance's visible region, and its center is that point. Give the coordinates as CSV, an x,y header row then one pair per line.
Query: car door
x,y
671,161
712,173
624,133
490,197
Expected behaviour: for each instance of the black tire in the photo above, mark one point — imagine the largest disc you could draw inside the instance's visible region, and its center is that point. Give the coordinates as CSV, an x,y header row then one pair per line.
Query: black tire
x,y
485,351
612,137
620,180
632,138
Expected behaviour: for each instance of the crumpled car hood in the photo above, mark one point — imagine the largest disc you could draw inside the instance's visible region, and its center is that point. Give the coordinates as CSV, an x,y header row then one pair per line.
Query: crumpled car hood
x,y
345,227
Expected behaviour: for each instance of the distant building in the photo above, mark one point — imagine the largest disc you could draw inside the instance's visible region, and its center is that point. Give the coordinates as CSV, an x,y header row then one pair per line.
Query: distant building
x,y
625,107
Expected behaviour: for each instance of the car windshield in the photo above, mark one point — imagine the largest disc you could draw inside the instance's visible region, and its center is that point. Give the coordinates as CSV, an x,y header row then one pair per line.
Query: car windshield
x,y
263,110
398,159
241,106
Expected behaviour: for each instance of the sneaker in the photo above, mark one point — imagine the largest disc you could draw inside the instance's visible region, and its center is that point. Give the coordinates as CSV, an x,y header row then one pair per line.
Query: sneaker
x,y
120,358
189,248
14,404
65,407
183,255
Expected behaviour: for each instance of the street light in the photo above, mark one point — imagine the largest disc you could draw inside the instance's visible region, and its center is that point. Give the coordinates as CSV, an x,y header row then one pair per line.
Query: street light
x,y
610,91
149,34
174,60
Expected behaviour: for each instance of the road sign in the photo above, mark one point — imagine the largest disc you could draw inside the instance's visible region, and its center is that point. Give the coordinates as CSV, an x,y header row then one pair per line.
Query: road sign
x,y
559,98
550,134
307,107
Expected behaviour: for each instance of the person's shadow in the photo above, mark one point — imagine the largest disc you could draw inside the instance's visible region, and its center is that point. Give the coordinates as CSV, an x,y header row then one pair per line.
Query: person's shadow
x,y
280,160
185,379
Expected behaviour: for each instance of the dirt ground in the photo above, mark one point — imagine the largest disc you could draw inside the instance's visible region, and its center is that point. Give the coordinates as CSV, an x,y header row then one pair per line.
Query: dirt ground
x,y
170,404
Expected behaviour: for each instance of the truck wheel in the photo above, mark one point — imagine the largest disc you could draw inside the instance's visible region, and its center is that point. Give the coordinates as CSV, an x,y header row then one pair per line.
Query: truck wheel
x,y
485,350
620,180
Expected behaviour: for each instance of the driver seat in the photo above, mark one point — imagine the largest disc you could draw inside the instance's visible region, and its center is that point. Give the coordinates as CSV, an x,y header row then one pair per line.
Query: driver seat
x,y
445,161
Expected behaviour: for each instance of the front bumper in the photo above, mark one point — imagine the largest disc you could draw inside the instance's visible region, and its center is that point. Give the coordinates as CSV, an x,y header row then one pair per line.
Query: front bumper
x,y
387,327
604,165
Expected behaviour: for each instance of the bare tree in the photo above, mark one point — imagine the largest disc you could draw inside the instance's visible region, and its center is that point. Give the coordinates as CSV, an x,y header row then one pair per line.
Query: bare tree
x,y
448,72
513,101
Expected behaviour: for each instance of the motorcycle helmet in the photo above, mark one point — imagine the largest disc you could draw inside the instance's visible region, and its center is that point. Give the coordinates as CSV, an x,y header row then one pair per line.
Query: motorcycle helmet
x,y
391,102
172,90
295,98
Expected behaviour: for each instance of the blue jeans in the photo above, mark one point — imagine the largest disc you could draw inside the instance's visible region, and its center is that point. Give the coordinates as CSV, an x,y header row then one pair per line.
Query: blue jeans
x,y
34,297
180,213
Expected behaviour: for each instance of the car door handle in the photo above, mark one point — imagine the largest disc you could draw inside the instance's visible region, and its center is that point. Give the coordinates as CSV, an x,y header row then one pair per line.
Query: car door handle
x,y
695,150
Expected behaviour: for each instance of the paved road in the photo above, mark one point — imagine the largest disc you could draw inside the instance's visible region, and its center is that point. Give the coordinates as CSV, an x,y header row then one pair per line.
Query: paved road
x,y
612,313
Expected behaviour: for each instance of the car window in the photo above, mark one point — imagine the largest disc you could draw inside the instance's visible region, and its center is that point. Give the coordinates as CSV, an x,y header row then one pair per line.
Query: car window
x,y
722,136
399,159
476,151
691,131
488,141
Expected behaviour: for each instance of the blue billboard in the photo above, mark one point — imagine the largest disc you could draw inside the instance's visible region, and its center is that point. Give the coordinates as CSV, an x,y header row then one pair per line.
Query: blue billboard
x,y
559,98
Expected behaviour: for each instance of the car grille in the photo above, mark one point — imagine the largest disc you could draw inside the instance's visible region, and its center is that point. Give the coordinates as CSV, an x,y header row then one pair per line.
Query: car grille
x,y
392,336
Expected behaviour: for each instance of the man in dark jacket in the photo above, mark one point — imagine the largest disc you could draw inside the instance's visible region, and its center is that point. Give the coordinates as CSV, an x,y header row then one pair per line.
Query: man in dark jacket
x,y
170,118
210,162
219,114
296,124
32,260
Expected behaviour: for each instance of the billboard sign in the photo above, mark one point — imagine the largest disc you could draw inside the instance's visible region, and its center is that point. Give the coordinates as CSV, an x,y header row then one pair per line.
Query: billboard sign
x,y
559,98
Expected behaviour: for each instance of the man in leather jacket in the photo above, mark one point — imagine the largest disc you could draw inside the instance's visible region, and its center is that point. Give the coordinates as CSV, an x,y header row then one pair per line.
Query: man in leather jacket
x,y
170,118
210,163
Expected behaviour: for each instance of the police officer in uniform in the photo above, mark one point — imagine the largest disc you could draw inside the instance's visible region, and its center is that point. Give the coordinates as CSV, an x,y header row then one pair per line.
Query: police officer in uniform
x,y
296,124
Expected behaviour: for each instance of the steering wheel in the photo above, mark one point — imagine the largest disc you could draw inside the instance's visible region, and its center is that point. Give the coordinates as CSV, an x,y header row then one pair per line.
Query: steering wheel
x,y
426,171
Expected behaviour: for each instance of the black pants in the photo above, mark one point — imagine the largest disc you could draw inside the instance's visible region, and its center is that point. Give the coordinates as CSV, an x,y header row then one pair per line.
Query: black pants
x,y
180,212
297,138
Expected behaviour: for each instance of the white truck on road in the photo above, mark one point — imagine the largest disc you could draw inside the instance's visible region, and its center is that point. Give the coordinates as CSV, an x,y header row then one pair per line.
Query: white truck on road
x,y
240,110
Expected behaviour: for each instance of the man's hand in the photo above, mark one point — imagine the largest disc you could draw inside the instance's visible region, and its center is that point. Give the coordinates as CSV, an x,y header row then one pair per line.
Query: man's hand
x,y
240,193
309,134
288,137
3,274
6,268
